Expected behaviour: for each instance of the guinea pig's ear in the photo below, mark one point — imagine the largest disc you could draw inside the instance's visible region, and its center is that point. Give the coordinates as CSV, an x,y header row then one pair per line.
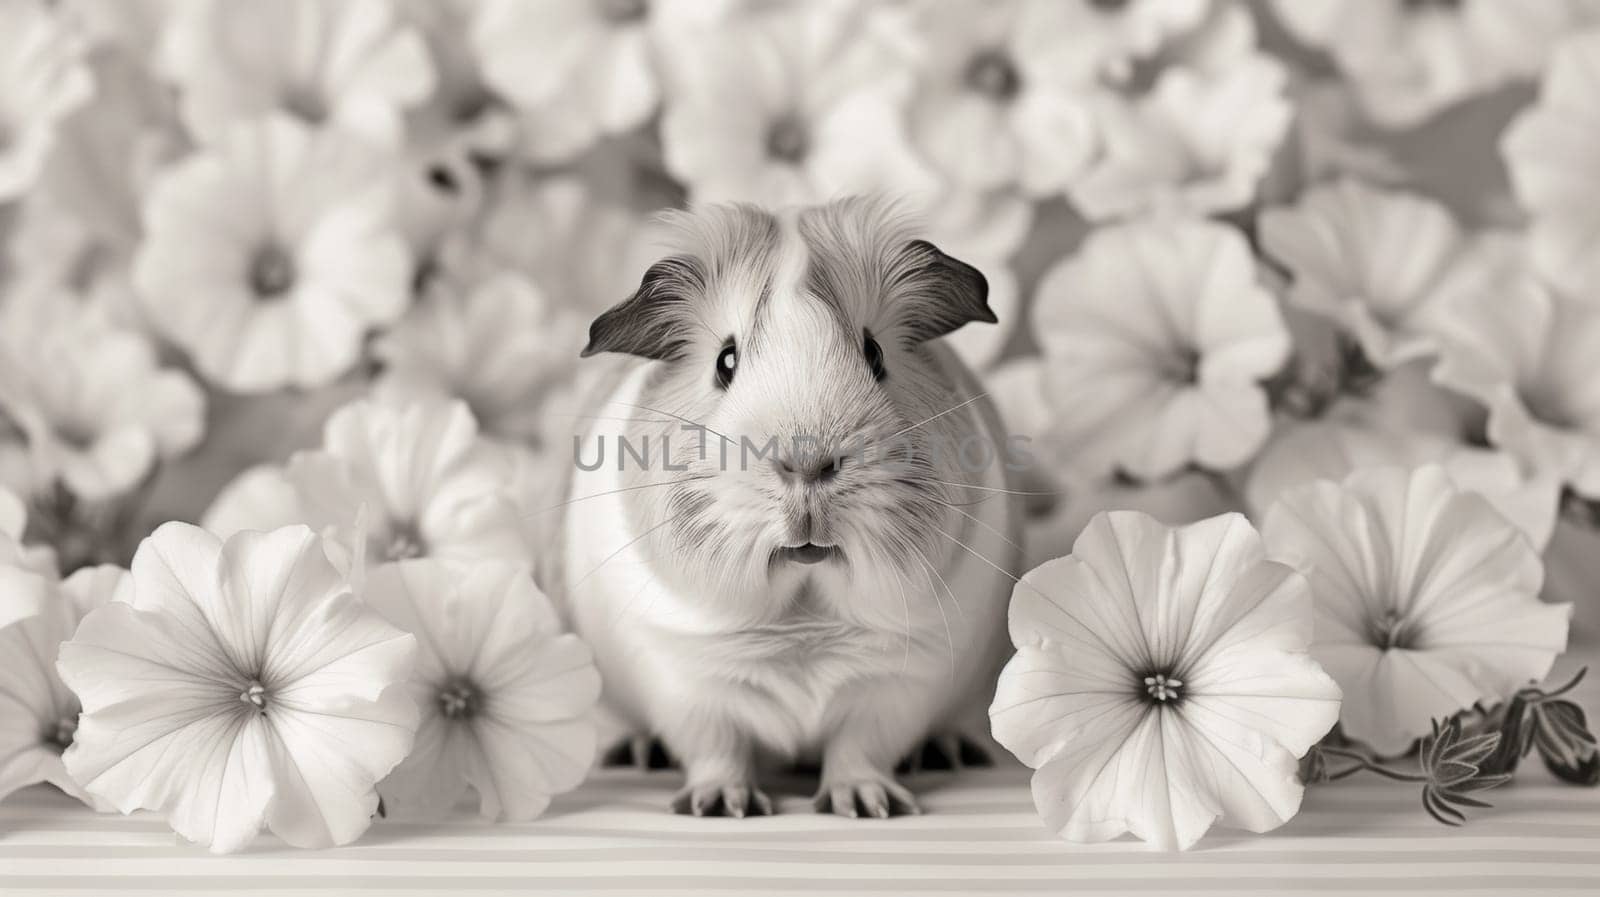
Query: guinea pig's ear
x,y
944,294
650,322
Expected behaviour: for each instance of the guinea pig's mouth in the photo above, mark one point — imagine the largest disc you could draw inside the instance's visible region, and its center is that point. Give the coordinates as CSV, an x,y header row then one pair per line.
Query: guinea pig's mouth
x,y
809,553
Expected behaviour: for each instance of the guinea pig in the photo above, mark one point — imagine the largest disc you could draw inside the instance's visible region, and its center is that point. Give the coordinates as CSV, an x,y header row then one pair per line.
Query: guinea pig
x,y
788,534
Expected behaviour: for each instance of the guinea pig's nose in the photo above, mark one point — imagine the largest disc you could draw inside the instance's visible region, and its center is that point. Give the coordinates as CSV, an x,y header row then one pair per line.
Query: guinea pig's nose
x,y
807,470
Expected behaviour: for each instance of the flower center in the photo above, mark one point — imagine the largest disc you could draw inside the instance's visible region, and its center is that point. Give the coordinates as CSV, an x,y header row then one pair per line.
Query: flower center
x,y
1392,630
471,105
787,140
76,433
255,694
306,103
992,74
1163,688
1182,365
623,10
271,272
458,699
405,542
60,736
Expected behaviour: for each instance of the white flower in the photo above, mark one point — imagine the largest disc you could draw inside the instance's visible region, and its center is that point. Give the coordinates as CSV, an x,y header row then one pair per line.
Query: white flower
x,y
42,80
1550,152
1408,60
787,108
1002,92
1427,599
40,715
270,254
579,70
96,410
1382,264
1528,357
506,697
415,478
500,346
105,157
584,252
351,63
462,109
1156,335
1120,33
1200,139
1333,448
1161,682
237,684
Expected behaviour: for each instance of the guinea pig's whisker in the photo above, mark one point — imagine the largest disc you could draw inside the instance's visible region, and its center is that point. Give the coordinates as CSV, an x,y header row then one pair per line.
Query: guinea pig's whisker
x,y
996,489
572,501
930,420
905,607
975,553
949,640
1021,582
1003,536
693,423
625,546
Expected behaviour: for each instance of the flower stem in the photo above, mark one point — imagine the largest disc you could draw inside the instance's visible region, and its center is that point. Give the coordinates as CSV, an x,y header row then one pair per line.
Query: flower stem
x,y
1368,764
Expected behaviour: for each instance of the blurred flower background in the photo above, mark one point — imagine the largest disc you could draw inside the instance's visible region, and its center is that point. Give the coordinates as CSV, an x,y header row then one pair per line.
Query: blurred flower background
x,y
331,262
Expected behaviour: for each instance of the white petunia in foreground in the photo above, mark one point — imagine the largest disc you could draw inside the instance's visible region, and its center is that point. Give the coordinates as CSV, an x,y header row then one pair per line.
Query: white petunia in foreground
x,y
506,696
1427,600
1161,682
240,683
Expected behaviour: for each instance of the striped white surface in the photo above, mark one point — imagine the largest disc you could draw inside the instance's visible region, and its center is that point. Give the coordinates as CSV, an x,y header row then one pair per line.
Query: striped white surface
x,y
979,836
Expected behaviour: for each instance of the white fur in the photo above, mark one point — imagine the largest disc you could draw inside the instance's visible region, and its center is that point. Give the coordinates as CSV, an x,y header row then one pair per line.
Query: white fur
x,y
728,662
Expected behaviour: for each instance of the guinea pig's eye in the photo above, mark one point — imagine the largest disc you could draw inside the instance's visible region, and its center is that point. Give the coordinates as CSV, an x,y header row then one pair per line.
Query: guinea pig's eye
x,y
727,362
874,353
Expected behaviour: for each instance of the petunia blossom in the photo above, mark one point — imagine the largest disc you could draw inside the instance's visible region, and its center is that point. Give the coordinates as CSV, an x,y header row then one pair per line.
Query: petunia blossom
x,y
40,718
584,251
43,78
500,345
1408,61
506,697
1002,88
1527,356
411,479
1199,138
579,70
352,64
1161,682
238,684
789,107
1426,597
268,255
96,409
1550,152
1156,338
1382,264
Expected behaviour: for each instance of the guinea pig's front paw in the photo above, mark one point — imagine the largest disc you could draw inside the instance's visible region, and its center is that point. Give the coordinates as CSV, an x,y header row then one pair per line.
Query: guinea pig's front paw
x,y
878,797
722,799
